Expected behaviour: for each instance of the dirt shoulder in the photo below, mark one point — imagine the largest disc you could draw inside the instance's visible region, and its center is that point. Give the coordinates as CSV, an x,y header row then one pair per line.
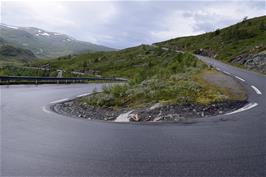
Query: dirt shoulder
x,y
227,85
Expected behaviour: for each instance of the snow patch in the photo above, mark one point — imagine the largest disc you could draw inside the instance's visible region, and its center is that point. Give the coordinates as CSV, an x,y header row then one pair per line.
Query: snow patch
x,y
45,34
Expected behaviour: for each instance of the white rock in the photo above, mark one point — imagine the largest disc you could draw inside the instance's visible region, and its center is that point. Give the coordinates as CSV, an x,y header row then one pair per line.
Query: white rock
x,y
123,117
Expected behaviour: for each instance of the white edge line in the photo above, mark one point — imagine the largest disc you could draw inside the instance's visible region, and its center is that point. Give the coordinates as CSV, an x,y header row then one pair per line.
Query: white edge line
x,y
57,101
247,107
256,90
85,94
243,80
218,69
45,110
226,72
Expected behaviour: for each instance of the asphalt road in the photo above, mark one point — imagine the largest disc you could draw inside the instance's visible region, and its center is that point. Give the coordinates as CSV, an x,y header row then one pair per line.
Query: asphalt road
x,y
36,142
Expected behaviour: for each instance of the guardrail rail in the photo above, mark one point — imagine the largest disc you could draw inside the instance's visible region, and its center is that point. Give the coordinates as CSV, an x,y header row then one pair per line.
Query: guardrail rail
x,y
7,80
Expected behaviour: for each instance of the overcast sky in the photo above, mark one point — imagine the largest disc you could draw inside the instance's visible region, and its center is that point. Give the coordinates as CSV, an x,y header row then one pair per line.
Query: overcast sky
x,y
123,24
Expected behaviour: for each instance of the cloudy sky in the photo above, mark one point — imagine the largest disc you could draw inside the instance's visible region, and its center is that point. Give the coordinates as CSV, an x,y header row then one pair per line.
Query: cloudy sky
x,y
121,24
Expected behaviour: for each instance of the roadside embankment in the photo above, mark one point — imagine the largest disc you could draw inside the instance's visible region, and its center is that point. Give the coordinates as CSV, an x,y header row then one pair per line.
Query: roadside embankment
x,y
216,85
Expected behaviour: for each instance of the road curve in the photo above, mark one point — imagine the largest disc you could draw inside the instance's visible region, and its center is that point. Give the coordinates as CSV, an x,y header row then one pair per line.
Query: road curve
x,y
36,142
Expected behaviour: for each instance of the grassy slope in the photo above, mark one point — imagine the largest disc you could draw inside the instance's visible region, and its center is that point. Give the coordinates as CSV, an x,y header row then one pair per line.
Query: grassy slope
x,y
155,75
245,37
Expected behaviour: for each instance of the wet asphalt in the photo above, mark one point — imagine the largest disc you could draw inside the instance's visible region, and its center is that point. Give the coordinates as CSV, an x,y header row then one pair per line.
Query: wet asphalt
x,y
37,142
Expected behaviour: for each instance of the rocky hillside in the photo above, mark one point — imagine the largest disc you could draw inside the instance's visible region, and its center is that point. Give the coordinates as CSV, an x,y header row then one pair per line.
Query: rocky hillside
x,y
45,44
239,43
255,62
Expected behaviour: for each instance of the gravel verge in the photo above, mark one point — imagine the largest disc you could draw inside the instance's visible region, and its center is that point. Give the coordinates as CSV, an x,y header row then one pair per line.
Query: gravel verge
x,y
157,112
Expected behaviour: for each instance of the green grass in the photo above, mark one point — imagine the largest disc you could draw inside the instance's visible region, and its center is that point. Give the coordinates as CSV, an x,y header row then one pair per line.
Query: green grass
x,y
154,76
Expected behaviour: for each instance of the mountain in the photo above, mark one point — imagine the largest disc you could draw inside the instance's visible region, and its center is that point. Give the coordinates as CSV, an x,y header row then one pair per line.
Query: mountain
x,y
45,44
242,44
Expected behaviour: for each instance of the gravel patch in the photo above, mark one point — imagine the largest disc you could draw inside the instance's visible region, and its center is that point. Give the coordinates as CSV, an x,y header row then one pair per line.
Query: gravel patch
x,y
154,113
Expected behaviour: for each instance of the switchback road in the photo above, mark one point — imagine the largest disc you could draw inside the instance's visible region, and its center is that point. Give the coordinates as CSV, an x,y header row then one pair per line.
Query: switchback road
x,y
37,142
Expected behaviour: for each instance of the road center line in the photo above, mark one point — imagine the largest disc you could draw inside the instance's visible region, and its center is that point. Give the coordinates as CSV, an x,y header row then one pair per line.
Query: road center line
x,y
247,107
256,90
240,78
57,101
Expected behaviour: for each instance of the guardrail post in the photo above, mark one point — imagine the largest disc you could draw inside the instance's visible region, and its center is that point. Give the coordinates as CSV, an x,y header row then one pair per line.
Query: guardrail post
x,y
36,82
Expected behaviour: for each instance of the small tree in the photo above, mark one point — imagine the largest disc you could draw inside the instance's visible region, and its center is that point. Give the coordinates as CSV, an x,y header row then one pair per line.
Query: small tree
x,y
262,26
217,32
245,19
84,65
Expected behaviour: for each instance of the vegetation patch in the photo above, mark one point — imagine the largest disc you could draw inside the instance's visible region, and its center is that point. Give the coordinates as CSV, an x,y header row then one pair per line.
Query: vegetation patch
x,y
163,85
245,37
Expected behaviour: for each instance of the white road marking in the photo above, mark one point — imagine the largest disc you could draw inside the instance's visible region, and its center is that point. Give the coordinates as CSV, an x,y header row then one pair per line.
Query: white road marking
x,y
247,107
243,80
226,72
256,90
85,94
123,117
45,110
218,69
57,101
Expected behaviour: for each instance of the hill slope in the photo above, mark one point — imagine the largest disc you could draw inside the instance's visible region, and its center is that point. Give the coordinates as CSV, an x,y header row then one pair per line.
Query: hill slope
x,y
8,51
155,75
13,55
245,40
45,44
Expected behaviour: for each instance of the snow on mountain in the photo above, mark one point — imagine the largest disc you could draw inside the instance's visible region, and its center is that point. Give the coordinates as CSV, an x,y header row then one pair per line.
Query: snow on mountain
x,y
45,44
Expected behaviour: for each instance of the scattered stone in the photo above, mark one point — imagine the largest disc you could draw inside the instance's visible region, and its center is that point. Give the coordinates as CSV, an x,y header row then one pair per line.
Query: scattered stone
x,y
134,117
157,112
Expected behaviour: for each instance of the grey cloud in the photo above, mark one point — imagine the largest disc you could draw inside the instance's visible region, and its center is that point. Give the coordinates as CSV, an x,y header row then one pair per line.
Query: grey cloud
x,y
124,24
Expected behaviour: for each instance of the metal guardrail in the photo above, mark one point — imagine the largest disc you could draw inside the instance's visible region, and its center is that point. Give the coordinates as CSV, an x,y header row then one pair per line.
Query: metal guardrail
x,y
37,80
